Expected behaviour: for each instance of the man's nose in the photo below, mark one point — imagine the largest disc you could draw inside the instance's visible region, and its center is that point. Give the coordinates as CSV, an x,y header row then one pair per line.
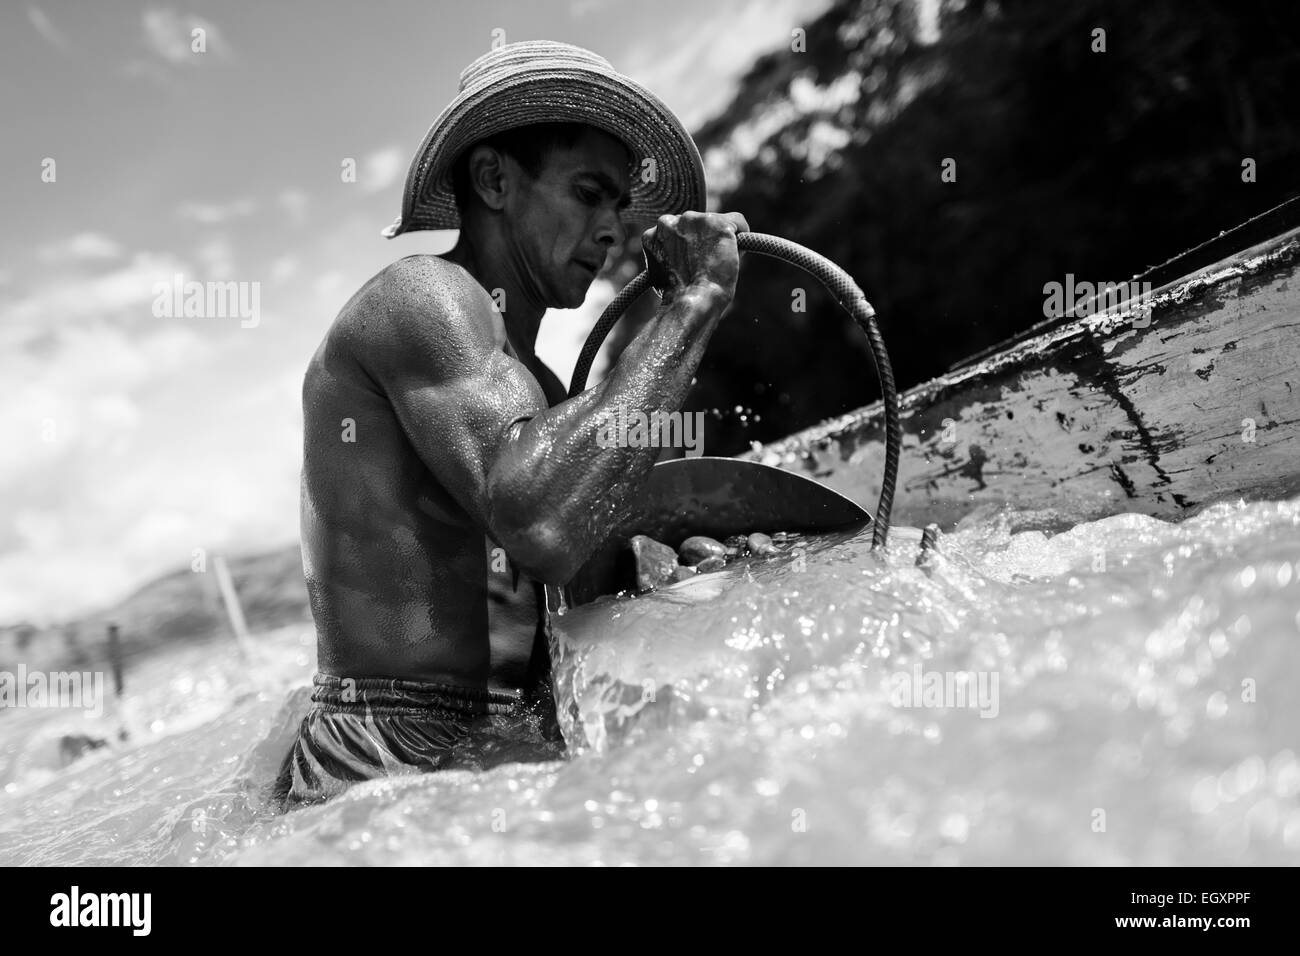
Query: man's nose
x,y
612,231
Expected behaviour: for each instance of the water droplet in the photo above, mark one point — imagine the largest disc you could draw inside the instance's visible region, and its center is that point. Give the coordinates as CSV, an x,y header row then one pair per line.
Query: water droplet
x,y
1251,773
955,827
1216,706
905,825
1291,831
1262,818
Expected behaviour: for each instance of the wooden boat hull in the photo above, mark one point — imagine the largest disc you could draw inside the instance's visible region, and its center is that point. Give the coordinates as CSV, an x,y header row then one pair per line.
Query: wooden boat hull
x,y
1101,415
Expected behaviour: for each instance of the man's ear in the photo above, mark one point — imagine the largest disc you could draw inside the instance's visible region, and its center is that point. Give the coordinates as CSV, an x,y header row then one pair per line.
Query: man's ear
x,y
488,176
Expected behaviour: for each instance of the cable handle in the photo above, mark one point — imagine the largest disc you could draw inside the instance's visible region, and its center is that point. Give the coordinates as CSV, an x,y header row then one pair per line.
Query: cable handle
x,y
844,290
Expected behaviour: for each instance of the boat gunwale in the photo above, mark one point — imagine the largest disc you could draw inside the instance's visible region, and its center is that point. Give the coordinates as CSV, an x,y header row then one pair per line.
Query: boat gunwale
x,y
1258,258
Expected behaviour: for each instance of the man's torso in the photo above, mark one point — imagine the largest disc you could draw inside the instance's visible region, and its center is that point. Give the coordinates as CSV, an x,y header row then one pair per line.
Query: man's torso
x,y
401,581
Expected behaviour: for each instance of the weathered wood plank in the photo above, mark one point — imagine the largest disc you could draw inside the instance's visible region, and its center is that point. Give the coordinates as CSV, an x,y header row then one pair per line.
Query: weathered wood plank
x,y
1097,416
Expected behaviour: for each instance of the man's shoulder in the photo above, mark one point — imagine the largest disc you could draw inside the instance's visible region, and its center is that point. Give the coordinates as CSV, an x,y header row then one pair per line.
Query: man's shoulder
x,y
425,284
418,303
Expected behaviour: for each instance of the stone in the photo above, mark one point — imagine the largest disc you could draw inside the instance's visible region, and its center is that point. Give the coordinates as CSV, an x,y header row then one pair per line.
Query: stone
x,y
682,572
760,543
715,563
698,547
655,562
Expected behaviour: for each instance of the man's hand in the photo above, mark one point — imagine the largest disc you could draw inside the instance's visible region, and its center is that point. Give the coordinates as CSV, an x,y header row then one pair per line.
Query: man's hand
x,y
694,249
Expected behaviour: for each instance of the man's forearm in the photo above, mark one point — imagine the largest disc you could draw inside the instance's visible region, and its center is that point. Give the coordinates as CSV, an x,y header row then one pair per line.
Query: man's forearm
x,y
564,484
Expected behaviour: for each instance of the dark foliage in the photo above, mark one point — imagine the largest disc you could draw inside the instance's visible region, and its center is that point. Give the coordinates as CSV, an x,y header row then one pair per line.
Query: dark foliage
x,y
1067,160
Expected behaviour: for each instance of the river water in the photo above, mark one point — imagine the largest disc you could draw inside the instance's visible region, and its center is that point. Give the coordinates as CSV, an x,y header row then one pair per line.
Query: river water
x,y
1122,692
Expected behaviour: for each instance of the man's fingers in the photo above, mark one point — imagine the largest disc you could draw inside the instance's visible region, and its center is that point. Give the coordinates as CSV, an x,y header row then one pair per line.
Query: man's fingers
x,y
739,221
696,220
660,280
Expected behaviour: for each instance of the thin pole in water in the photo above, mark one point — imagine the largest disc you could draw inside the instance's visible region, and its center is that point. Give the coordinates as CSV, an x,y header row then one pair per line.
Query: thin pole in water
x,y
115,660
233,609
119,682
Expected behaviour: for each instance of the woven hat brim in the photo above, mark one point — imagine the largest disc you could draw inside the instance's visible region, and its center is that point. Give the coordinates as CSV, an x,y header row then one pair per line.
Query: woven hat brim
x,y
673,183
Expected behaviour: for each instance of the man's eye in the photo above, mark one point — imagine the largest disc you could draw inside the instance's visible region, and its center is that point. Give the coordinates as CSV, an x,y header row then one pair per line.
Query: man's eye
x,y
589,196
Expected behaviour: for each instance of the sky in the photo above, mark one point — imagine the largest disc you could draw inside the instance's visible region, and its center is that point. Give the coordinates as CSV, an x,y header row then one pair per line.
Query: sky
x,y
132,436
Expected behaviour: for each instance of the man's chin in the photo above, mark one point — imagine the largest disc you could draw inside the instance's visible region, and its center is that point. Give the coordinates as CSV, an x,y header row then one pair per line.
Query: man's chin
x,y
574,297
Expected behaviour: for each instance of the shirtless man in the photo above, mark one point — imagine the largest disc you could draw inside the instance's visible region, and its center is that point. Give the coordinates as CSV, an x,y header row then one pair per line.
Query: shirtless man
x,y
433,434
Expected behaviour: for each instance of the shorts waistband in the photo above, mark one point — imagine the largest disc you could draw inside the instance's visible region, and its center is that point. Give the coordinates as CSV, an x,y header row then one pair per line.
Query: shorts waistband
x,y
391,696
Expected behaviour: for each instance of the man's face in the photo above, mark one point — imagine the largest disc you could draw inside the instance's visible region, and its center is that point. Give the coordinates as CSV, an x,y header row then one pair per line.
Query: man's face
x,y
562,223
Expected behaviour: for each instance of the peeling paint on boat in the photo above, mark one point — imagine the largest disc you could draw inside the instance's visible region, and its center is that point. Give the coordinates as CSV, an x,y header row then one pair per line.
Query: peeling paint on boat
x,y
1099,415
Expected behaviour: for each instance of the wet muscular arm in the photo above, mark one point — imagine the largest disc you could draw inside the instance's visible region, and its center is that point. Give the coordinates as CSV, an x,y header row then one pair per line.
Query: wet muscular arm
x,y
535,478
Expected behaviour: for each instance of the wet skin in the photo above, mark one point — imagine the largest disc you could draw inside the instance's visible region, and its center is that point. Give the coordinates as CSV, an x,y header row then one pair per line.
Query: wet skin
x,y
397,571
462,441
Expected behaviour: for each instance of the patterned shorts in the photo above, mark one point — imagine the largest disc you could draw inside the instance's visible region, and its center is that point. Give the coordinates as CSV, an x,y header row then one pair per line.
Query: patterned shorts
x,y
363,728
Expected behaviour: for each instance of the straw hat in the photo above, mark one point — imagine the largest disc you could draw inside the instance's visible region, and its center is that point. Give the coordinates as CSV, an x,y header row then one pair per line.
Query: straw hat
x,y
541,81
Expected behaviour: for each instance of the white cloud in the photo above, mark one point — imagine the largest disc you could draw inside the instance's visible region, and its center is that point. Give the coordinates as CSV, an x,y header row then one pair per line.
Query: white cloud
x,y
169,35
382,168
113,410
75,399
73,349
63,300
48,31
136,515
284,390
211,213
130,439
82,247
217,259
329,284
285,267
146,423
294,203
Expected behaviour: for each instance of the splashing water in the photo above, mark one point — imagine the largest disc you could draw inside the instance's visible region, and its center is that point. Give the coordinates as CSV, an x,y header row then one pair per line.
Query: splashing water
x,y
1120,693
